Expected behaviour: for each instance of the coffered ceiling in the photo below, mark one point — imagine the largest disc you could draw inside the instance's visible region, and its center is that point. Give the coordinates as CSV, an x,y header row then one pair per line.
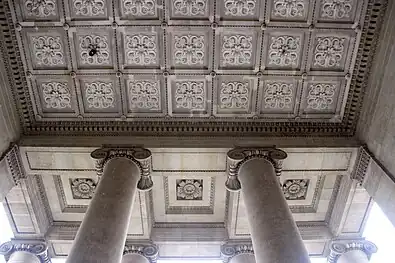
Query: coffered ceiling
x,y
188,205
189,67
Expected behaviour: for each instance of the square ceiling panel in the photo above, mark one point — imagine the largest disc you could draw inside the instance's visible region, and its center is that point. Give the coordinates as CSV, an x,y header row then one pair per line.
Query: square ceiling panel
x,y
173,64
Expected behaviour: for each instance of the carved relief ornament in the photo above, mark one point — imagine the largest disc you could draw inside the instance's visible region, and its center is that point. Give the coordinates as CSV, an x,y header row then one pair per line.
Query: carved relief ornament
x,y
228,251
149,251
238,156
39,249
340,247
140,156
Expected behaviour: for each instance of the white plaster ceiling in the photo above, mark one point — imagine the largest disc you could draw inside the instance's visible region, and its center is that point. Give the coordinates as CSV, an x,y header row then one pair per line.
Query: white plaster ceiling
x,y
177,60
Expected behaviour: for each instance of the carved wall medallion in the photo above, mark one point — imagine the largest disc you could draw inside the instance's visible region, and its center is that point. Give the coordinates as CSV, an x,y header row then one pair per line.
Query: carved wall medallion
x,y
234,95
190,95
189,189
139,7
40,8
189,49
99,95
237,50
329,52
295,189
141,49
284,51
48,50
144,95
289,8
336,9
190,7
89,7
56,95
278,95
82,188
240,7
100,44
320,96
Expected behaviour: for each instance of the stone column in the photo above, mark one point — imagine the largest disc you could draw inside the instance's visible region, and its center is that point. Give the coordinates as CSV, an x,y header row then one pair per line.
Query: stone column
x,y
351,251
140,253
102,234
25,252
237,253
274,233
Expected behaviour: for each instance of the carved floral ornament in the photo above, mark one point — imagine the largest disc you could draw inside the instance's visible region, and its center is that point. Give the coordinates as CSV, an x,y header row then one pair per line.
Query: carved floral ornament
x,y
40,249
190,7
82,188
289,8
40,8
89,7
48,50
340,247
238,156
139,8
336,9
140,156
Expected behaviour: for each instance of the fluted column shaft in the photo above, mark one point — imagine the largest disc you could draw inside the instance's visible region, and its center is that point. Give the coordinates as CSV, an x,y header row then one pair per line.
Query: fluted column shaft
x,y
103,232
274,233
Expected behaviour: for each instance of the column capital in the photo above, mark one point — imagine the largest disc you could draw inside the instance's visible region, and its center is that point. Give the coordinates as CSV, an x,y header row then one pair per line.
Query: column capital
x,y
230,250
140,156
37,248
238,156
149,251
339,247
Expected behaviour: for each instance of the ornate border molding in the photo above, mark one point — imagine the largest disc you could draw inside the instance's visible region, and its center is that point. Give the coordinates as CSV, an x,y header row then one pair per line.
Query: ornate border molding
x,y
340,247
366,50
239,156
15,165
140,156
37,248
149,251
362,164
230,250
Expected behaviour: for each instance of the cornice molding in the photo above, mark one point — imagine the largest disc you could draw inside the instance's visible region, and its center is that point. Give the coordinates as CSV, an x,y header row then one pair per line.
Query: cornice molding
x,y
37,248
140,156
238,156
14,164
340,247
362,164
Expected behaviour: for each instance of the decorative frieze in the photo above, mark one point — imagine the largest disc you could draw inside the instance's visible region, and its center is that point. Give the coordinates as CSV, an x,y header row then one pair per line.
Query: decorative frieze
x,y
15,165
238,156
362,164
37,248
140,156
